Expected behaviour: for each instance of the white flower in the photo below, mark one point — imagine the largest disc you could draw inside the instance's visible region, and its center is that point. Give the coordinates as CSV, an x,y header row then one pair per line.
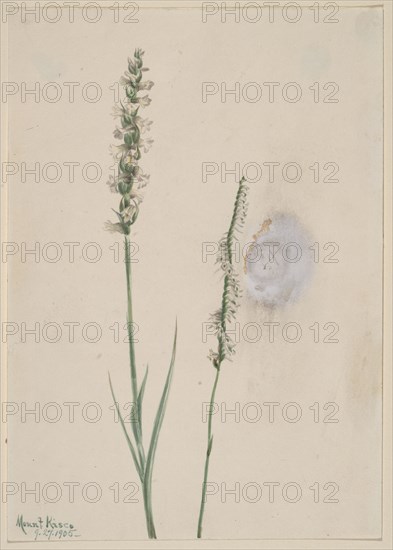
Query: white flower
x,y
144,101
118,133
112,183
114,227
129,212
142,180
143,124
117,111
127,109
129,159
145,144
118,150
136,196
146,85
131,108
128,79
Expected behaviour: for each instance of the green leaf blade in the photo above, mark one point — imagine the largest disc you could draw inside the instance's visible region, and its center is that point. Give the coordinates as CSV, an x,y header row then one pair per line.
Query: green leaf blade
x,y
140,398
159,418
129,442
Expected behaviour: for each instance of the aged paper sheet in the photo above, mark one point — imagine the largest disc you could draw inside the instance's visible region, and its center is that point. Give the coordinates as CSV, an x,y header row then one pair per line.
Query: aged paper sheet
x,y
292,98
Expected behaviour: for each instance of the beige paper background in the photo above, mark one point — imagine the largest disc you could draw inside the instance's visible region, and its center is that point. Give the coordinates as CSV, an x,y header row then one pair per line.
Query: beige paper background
x,y
179,213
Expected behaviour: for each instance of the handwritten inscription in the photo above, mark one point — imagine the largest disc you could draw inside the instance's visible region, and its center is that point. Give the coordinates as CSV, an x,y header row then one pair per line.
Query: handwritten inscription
x,y
47,527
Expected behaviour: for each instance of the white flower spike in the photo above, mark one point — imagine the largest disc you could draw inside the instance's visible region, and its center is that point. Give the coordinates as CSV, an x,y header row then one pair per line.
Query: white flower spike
x,y
130,177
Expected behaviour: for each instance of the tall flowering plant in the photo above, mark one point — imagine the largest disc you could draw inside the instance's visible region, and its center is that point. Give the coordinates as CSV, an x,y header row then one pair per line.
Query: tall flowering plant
x,y
129,182
221,318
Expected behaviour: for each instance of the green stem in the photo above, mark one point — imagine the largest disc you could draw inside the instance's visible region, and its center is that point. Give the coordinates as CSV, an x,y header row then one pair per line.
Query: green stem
x,y
136,428
208,452
151,531
239,205
136,425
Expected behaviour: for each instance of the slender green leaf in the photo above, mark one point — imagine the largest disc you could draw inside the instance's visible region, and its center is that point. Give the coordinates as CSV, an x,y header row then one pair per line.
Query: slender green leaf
x,y
158,421
129,442
140,397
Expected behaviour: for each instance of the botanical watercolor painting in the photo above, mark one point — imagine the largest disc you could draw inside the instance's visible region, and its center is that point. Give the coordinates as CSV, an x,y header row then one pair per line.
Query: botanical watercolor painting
x,y
128,182
193,251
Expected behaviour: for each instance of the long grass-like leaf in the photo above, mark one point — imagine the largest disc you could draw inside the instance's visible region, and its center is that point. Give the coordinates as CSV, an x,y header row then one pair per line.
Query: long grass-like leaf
x,y
140,397
129,442
158,420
